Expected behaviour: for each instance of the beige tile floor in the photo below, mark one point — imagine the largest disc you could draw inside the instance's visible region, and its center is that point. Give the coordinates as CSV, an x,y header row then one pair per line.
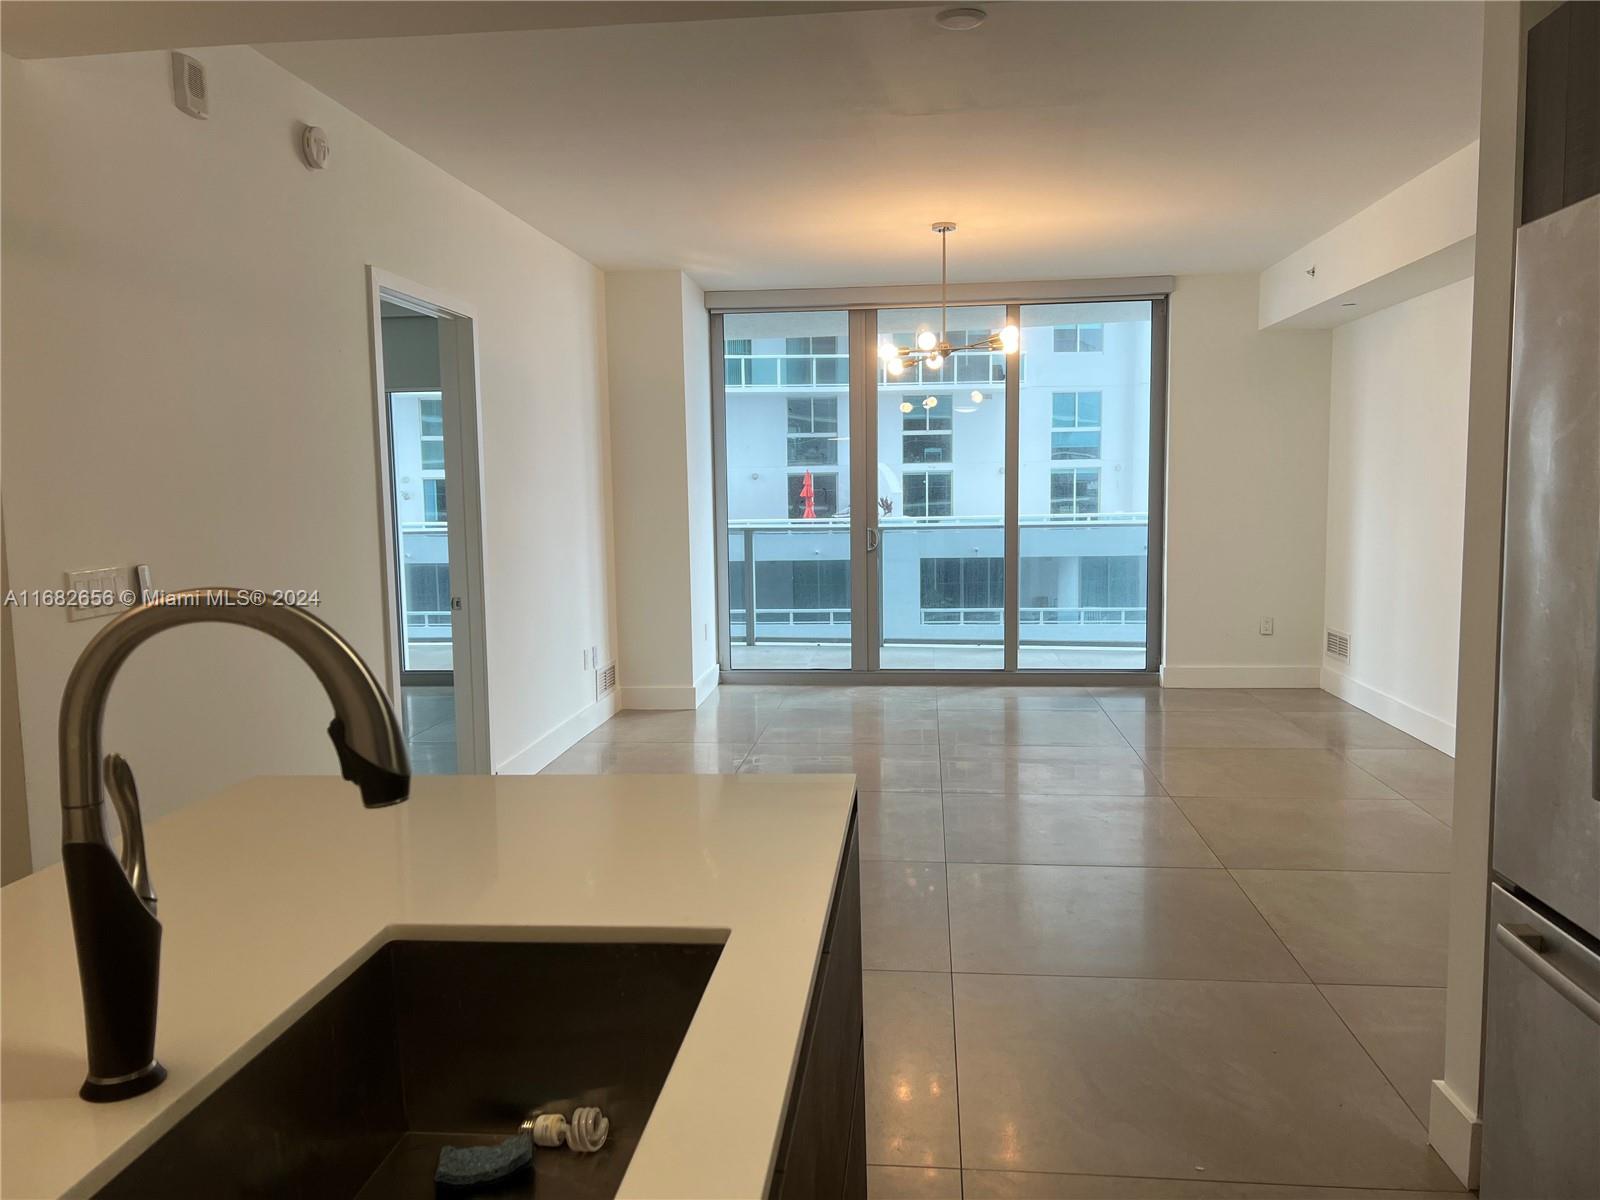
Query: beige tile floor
x,y
1122,943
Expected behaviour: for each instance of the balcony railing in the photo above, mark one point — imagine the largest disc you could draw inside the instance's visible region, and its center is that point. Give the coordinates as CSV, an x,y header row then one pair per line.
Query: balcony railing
x,y
1026,521
795,616
786,370
833,371
968,367
759,540
1035,616
428,625
833,624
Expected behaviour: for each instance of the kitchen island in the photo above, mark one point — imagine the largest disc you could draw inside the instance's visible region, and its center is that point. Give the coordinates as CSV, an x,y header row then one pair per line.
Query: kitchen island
x,y
273,893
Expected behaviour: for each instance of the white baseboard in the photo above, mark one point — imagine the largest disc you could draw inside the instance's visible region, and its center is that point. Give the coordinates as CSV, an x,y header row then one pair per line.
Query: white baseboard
x,y
1441,735
1455,1131
673,696
539,754
1239,677
707,683
667,696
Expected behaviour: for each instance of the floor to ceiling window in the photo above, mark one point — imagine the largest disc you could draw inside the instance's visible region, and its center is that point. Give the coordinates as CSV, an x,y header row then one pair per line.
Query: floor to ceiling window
x,y
1084,485
786,453
995,516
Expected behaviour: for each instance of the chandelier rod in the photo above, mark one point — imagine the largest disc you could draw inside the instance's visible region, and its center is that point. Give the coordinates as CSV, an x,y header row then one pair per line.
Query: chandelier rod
x,y
944,285
1003,342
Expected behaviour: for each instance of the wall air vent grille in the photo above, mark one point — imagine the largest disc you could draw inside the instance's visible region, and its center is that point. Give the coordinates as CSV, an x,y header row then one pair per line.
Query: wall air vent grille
x,y
189,86
605,681
1338,645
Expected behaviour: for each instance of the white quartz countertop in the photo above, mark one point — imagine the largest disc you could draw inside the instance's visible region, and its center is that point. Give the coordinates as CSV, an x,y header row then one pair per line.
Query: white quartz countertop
x,y
271,892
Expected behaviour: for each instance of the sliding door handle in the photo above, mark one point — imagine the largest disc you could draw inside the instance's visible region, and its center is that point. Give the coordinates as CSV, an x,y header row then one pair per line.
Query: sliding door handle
x,y
872,538
1529,947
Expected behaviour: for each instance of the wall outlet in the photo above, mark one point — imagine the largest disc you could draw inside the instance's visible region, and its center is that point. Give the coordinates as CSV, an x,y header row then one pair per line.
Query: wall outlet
x,y
586,659
1266,626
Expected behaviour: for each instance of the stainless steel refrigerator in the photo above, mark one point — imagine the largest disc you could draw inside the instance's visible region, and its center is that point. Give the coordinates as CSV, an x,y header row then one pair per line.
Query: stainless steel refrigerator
x,y
1541,1102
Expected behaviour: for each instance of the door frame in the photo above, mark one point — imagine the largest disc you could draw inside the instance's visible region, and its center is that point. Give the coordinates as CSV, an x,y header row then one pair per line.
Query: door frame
x,y
458,380
861,306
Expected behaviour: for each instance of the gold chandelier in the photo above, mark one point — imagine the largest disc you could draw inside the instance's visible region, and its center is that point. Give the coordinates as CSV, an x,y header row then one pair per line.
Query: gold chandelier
x,y
933,348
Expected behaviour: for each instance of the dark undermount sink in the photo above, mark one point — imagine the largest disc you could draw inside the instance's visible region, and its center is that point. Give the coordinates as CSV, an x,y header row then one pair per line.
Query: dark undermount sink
x,y
434,1043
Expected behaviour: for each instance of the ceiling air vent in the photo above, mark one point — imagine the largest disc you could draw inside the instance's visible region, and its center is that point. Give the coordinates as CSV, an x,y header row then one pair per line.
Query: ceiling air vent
x,y
1338,645
605,681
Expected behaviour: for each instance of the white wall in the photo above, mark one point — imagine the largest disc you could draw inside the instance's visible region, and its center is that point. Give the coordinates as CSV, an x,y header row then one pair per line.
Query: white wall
x,y
188,383
702,511
1397,459
16,854
659,372
1247,475
1454,1126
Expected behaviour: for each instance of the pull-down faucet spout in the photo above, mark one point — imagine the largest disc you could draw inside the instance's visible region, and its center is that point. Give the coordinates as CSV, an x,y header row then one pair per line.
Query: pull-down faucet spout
x,y
113,902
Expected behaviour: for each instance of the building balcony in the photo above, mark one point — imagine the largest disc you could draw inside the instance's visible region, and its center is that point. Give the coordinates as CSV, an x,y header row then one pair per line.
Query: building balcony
x,y
765,372
942,586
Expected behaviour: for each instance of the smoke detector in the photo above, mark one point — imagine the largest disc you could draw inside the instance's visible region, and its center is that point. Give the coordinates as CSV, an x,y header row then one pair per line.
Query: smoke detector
x,y
314,147
960,18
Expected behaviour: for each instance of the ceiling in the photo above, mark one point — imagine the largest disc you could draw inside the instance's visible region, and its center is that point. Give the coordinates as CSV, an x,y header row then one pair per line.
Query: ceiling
x,y
64,28
1066,139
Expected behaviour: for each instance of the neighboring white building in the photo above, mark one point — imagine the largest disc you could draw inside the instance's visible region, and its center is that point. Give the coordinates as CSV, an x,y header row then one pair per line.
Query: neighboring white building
x,y
416,440
1083,491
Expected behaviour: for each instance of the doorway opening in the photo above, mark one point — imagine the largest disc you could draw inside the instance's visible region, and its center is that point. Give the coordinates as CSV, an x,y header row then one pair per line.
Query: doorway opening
x,y
424,365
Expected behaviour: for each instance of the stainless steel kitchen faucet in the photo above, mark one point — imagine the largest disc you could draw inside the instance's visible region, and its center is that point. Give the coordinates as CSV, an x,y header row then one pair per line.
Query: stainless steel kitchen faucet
x,y
113,902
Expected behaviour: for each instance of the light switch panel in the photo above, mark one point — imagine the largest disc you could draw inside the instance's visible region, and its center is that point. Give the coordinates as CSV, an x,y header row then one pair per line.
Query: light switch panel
x,y
101,592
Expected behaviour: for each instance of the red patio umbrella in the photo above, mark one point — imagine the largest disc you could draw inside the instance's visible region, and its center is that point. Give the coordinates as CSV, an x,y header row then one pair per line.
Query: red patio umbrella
x,y
807,493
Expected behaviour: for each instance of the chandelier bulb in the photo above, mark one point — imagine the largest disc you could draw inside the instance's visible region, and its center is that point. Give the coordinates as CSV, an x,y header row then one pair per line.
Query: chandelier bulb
x,y
1009,338
896,365
931,402
977,397
927,340
905,406
935,360
888,350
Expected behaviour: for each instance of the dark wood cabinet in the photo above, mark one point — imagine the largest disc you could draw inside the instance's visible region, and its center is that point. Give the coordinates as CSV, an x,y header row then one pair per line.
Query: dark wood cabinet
x,y
823,1151
1561,110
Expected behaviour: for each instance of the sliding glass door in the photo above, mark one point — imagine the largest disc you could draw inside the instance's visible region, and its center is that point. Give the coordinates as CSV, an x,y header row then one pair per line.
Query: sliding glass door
x,y
941,549
993,516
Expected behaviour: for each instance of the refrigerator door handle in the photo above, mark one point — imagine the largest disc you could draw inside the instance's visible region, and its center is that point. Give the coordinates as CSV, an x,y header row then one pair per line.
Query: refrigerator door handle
x,y
1529,947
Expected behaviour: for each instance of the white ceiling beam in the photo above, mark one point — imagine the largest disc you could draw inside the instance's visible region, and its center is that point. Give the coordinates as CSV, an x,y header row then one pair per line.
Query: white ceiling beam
x,y
1417,238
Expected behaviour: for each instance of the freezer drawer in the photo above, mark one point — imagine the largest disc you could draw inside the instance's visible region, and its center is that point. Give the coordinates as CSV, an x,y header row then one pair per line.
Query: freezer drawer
x,y
1546,818
1541,1082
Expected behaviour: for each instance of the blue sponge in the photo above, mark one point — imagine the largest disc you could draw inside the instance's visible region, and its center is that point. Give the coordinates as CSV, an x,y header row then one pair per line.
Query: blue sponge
x,y
471,1166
